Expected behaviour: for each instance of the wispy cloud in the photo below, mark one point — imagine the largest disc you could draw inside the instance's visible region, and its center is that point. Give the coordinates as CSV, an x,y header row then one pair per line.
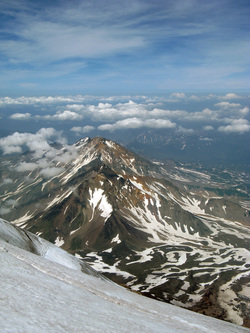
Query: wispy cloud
x,y
132,46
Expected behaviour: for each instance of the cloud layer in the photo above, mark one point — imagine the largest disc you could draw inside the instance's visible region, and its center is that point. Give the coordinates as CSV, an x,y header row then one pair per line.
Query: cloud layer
x,y
181,112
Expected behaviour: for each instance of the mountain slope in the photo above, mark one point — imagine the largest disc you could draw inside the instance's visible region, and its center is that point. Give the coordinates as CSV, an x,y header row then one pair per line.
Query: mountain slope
x,y
40,294
137,222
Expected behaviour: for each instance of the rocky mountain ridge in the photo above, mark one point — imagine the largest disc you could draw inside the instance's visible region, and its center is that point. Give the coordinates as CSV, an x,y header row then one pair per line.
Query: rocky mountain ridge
x,y
136,221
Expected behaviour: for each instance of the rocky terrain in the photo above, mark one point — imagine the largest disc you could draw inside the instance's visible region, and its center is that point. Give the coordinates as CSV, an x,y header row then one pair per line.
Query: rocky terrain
x,y
45,289
166,231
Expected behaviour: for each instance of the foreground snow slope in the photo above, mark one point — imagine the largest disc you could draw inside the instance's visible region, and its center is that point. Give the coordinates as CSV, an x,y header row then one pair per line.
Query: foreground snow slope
x,y
47,291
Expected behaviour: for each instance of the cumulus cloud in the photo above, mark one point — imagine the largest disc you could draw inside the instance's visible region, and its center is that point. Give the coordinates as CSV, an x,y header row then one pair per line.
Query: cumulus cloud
x,y
62,116
109,112
10,149
177,95
67,115
67,155
25,166
202,98
208,128
70,100
105,111
51,172
7,206
140,112
20,116
227,105
7,181
84,129
5,210
42,100
235,126
244,111
137,123
37,142
181,129
51,163
161,113
11,203
206,139
230,96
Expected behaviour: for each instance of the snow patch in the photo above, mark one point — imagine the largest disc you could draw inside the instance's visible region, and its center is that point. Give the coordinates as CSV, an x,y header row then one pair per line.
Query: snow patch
x,y
59,241
116,239
99,201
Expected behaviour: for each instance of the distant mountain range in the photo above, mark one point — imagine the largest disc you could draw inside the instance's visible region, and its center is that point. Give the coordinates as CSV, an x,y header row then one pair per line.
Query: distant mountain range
x,y
164,230
212,149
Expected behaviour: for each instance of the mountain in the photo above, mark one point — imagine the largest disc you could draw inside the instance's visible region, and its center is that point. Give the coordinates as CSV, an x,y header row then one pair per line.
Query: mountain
x,y
165,231
45,289
212,149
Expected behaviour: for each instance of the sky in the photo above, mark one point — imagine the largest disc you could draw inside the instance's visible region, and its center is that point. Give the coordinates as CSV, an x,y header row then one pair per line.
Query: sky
x,y
100,68
123,47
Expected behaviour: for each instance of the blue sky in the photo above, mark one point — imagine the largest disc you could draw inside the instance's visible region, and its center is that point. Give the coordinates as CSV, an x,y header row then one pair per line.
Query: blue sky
x,y
117,47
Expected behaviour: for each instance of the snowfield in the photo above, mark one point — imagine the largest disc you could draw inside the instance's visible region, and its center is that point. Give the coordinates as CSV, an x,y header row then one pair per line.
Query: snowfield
x,y
44,289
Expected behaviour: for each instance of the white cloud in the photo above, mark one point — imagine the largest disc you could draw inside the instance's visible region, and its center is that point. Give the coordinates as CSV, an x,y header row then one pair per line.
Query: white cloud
x,y
37,142
244,111
161,113
150,113
44,38
230,96
43,163
84,129
104,111
185,130
159,123
20,116
66,155
206,139
25,166
177,95
45,100
236,126
4,210
137,123
62,116
10,149
208,128
51,172
227,105
7,206
67,115
11,203
203,97
7,181
47,163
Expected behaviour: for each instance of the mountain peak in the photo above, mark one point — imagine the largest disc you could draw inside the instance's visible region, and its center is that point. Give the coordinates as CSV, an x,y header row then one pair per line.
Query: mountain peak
x,y
129,220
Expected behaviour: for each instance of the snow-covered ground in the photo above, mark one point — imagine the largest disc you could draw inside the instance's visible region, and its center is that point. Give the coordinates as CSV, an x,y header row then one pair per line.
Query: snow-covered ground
x,y
48,292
